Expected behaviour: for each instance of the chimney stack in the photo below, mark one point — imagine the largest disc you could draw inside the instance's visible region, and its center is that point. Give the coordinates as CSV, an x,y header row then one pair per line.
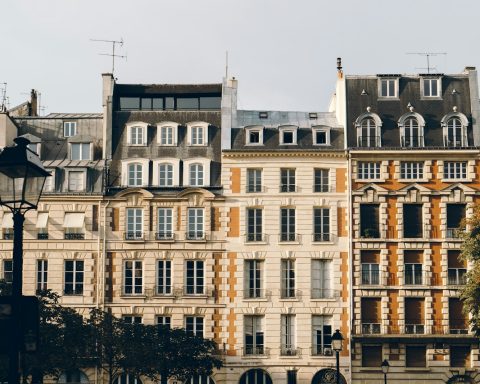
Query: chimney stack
x,y
33,103
339,68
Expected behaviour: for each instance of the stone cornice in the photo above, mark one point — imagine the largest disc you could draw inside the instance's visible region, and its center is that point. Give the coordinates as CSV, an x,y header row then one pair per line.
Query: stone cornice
x,y
324,154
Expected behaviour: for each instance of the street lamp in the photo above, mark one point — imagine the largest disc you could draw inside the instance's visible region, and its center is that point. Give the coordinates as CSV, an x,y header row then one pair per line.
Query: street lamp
x,y
22,177
337,345
385,367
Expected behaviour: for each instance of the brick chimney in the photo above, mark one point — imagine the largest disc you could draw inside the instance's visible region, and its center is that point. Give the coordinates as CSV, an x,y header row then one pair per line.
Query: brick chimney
x,y
33,103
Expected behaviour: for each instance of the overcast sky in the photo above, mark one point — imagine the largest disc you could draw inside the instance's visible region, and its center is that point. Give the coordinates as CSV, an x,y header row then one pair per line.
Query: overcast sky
x,y
283,52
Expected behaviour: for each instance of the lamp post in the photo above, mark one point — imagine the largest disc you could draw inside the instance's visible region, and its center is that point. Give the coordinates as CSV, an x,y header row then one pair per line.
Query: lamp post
x,y
22,177
385,367
337,345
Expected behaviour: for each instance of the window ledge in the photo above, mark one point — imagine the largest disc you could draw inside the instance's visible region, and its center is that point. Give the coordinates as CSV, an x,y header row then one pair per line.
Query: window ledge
x,y
431,98
323,242
284,357
422,180
133,296
325,299
294,242
253,299
289,299
388,98
455,180
417,369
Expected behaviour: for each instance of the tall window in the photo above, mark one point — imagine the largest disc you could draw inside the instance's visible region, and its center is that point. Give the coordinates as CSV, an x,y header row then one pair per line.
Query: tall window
x,y
196,175
413,220
253,279
288,335
368,133
368,170
370,267
165,321
254,180
195,277
166,135
287,180
288,278
457,268
411,133
371,356
321,183
287,232
127,378
165,178
76,181
321,224
133,278
197,136
80,151
415,356
456,135
254,340
371,315
460,356
73,277
8,271
135,175
164,277
413,267
414,315
455,170
455,217
254,224
321,279
136,136
431,87
132,319
165,224
42,275
134,223
369,220
388,87
322,335
69,128
411,170
458,322
195,224
194,325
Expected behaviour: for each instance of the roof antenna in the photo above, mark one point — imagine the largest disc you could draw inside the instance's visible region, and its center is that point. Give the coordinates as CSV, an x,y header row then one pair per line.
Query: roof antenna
x,y
113,55
3,93
226,64
427,55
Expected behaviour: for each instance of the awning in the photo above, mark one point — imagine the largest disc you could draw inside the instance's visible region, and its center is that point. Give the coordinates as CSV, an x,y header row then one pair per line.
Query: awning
x,y
42,218
7,221
73,220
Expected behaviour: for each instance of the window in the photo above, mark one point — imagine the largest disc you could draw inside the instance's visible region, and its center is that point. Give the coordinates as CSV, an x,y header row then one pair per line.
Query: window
x,y
132,319
34,147
291,376
460,356
456,133
80,151
195,224
322,335
197,136
413,267
135,175
416,356
200,379
287,180
126,378
411,170
371,356
73,376
165,177
321,279
76,181
370,221
254,135
431,87
49,185
196,175
73,277
42,275
321,136
288,136
367,135
288,279
414,316
455,217
165,224
321,180
73,222
287,230
457,269
388,87
253,279
137,135
7,226
194,325
194,278
370,267
134,224
42,225
69,128
321,224
413,220
254,340
254,224
164,277
371,315
287,335
8,271
165,321
368,170
254,180
457,320
166,135
455,170
133,277
256,376
411,133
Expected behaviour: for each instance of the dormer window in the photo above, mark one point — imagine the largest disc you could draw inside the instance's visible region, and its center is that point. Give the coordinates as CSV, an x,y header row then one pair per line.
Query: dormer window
x,y
388,87
34,147
288,135
69,128
455,126
197,134
254,135
167,133
411,130
80,151
135,172
369,130
321,136
137,134
431,86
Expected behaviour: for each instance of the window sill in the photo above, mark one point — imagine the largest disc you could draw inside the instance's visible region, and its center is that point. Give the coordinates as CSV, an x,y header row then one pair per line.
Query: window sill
x,y
455,180
431,98
422,180
417,369
254,144
287,242
323,242
261,299
388,98
133,296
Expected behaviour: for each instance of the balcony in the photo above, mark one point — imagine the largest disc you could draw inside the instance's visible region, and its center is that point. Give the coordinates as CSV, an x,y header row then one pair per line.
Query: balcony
x,y
323,188
322,237
317,350
255,188
454,233
164,236
42,236
289,351
368,141
8,235
288,237
255,238
416,278
371,328
74,236
370,233
370,277
290,293
255,350
256,293
324,293
457,276
288,188
414,329
412,141
195,235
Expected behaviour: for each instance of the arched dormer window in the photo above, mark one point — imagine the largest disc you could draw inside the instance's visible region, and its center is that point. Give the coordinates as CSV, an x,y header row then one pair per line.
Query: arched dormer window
x,y
455,126
135,172
411,130
166,172
369,127
198,172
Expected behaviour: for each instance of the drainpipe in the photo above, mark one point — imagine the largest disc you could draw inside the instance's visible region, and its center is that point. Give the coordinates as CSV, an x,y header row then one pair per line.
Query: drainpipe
x,y
350,255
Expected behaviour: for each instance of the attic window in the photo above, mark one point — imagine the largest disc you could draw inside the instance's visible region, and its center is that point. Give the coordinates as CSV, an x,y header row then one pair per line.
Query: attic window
x,y
312,115
263,115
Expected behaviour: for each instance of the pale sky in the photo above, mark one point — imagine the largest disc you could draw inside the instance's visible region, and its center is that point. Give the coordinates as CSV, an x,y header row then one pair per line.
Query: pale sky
x,y
283,52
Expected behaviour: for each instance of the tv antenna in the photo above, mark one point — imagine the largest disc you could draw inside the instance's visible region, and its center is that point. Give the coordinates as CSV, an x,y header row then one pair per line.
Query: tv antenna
x,y
3,94
427,55
113,55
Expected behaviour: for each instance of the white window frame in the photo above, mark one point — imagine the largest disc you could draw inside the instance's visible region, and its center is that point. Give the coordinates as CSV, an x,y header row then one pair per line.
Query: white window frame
x,y
202,127
316,130
254,223
463,126
390,81
77,171
197,326
287,128
253,279
176,171
254,181
412,170
164,277
206,171
134,223
42,274
322,274
161,127
320,329
69,128
452,171
288,278
377,138
253,326
319,173
81,145
322,220
403,124
195,284
287,334
135,286
165,225
369,170
145,171
143,127
75,274
49,185
164,320
254,128
430,79
195,223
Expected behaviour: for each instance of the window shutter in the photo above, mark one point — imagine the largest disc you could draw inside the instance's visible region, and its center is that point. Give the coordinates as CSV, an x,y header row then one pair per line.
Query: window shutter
x,y
371,310
414,311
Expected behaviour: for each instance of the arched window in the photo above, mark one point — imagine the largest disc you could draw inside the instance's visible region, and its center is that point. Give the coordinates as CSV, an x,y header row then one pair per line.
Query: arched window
x,y
127,379
411,136
165,178
135,174
196,174
256,376
455,135
327,375
136,135
73,377
368,136
200,379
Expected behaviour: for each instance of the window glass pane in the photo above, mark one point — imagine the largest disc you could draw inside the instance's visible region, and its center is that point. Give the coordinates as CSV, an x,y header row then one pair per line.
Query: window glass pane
x,y
146,103
187,103
127,103
169,103
157,103
210,102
